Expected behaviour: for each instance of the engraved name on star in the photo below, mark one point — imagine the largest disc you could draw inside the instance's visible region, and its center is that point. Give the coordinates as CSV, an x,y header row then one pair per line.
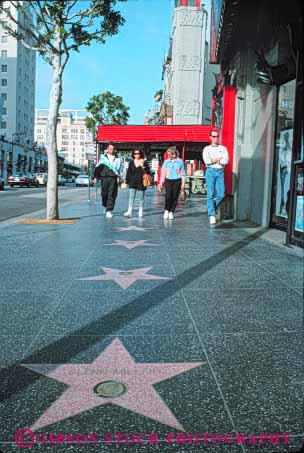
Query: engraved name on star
x,y
114,363
125,278
132,228
133,244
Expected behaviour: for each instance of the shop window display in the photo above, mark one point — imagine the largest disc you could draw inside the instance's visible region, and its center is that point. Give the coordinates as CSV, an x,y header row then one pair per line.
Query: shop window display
x,y
285,124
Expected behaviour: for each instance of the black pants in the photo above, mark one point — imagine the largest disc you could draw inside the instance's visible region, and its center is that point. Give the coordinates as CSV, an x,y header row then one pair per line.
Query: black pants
x,y
109,188
173,188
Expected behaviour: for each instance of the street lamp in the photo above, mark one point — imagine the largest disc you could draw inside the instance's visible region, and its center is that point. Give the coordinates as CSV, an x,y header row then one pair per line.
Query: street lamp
x,y
16,134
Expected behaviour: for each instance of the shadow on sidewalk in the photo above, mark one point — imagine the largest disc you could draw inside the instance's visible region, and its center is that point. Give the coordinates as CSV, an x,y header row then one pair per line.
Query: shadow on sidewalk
x,y
66,348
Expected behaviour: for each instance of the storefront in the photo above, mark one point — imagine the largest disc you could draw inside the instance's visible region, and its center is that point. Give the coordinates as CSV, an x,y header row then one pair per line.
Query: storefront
x,y
259,47
287,190
153,140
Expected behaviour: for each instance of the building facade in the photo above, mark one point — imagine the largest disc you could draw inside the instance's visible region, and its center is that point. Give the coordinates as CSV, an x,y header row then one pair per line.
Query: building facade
x,y
183,71
74,141
17,91
259,47
187,74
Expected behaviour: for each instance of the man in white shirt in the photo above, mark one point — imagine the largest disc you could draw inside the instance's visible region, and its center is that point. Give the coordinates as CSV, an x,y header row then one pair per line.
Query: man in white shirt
x,y
215,157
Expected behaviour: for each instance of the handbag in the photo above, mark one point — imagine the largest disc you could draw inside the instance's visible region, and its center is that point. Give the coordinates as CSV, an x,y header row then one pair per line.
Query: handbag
x,y
147,180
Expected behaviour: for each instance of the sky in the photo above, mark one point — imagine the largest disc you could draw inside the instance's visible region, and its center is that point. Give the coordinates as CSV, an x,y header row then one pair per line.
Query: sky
x,y
128,65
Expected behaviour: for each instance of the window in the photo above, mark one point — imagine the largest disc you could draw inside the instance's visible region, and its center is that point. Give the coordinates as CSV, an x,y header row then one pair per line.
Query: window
x,y
4,39
3,53
4,96
4,68
283,151
4,82
3,124
4,111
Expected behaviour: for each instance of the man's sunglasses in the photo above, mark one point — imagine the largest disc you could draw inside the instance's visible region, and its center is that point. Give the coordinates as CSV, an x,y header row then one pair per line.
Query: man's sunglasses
x,y
214,136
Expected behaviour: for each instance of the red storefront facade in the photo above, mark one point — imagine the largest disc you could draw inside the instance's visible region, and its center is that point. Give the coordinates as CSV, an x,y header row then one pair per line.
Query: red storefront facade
x,y
190,139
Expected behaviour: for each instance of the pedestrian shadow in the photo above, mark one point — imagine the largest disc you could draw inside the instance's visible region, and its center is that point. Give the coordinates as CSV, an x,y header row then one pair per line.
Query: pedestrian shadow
x,y
66,348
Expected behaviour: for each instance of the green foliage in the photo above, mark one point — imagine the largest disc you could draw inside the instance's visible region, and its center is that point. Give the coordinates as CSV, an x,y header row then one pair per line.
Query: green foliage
x,y
61,26
106,108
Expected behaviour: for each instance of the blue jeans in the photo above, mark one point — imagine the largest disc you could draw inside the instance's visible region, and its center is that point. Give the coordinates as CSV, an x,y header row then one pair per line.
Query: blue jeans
x,y
132,195
214,181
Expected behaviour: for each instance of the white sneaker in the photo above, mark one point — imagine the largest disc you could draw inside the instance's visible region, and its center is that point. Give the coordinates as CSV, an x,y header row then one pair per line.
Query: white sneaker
x,y
109,214
171,215
140,213
212,220
166,214
128,213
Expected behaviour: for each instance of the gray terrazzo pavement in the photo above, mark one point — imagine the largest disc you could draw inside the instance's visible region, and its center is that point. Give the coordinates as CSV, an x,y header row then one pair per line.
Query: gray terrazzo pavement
x,y
221,306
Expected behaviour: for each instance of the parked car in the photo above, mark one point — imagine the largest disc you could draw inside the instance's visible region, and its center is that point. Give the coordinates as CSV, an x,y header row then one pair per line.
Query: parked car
x,y
18,179
61,180
42,178
23,180
1,183
83,180
32,179
70,179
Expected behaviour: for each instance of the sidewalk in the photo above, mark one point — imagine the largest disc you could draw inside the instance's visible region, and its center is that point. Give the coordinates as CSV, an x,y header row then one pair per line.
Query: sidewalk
x,y
199,328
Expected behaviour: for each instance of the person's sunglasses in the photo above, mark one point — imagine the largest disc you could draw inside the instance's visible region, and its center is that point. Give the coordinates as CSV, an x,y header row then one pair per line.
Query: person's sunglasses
x,y
214,136
136,154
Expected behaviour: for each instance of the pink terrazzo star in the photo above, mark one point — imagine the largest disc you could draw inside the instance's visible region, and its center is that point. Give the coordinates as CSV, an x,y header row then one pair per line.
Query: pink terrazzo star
x,y
125,278
114,363
133,244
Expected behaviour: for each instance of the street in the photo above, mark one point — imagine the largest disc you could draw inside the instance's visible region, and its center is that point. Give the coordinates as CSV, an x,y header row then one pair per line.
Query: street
x,y
18,201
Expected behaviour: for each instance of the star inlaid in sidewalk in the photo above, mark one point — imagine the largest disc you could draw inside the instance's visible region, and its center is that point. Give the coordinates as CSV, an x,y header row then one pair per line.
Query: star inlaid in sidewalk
x,y
132,244
113,364
125,278
132,228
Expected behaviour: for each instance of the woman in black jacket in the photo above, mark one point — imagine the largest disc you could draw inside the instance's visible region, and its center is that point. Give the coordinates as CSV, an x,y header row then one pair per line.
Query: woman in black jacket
x,y
137,167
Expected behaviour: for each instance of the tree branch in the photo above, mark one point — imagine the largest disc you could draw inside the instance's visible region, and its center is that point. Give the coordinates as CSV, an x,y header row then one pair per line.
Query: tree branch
x,y
26,30
90,38
83,14
41,15
16,22
73,3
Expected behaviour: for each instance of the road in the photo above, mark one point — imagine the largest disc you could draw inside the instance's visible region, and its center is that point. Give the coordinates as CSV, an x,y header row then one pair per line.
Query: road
x,y
18,201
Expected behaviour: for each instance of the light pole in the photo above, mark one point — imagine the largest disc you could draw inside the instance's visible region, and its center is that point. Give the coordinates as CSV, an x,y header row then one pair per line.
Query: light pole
x,y
16,134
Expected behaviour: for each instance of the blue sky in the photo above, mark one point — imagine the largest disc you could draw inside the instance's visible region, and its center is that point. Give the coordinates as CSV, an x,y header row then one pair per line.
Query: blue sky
x,y
129,64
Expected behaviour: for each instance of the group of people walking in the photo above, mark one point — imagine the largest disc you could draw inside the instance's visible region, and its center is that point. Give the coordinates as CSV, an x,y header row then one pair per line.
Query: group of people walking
x,y
173,174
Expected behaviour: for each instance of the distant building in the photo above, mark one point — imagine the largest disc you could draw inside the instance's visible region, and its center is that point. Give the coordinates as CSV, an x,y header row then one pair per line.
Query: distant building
x,y
74,141
17,91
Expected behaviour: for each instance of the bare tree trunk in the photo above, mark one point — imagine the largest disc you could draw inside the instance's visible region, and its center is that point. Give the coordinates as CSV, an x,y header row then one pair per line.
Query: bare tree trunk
x,y
52,152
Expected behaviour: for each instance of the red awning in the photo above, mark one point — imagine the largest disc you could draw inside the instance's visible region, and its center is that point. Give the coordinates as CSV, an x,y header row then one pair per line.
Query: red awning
x,y
153,134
